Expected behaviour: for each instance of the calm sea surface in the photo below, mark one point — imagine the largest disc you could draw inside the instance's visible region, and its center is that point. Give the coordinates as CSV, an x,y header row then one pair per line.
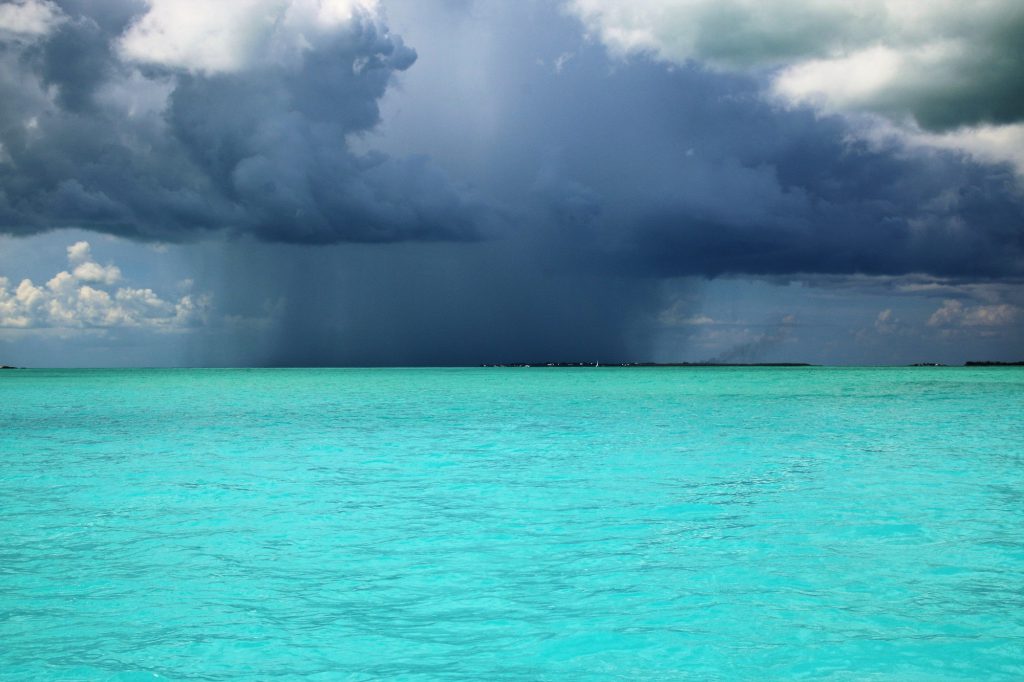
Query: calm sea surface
x,y
499,524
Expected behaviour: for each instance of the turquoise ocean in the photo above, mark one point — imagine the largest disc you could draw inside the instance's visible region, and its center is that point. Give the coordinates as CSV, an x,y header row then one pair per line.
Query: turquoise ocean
x,y
512,523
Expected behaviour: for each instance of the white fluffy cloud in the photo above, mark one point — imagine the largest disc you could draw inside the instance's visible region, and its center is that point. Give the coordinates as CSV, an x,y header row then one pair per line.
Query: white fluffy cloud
x,y
88,270
77,300
724,33
224,37
28,18
947,72
79,252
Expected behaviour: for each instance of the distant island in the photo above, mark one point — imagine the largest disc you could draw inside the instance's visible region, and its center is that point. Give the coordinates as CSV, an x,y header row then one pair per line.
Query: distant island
x,y
993,363
7,367
648,364
970,363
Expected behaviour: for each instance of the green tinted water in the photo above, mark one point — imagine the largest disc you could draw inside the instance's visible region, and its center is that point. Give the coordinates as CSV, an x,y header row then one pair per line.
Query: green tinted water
x,y
512,524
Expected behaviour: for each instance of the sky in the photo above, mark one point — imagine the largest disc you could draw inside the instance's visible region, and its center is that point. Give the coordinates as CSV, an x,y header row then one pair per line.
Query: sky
x,y
457,182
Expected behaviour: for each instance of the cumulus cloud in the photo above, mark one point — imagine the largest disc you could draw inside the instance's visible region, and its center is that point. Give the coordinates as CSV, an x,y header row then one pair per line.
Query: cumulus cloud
x,y
28,18
79,251
944,65
76,300
634,167
262,119
953,313
887,322
172,121
94,272
597,178
947,63
225,37
169,120
916,285
765,192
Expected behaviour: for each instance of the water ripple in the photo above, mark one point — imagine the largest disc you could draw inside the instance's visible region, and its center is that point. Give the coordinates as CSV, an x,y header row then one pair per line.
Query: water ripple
x,y
502,524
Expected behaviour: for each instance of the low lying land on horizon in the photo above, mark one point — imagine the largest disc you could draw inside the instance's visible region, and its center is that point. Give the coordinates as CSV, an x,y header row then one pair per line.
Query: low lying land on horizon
x,y
649,364
969,363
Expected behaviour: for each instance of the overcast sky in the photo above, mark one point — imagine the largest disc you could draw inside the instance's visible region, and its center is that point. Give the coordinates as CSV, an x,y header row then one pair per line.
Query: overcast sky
x,y
322,182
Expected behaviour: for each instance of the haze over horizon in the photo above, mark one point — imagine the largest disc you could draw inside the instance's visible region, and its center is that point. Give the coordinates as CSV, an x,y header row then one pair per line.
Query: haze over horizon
x,y
353,182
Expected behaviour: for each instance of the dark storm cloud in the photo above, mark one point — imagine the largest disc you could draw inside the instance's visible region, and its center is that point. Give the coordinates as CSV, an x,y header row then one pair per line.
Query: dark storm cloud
x,y
598,164
597,183
422,304
849,209
156,151
75,61
593,179
613,176
632,167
